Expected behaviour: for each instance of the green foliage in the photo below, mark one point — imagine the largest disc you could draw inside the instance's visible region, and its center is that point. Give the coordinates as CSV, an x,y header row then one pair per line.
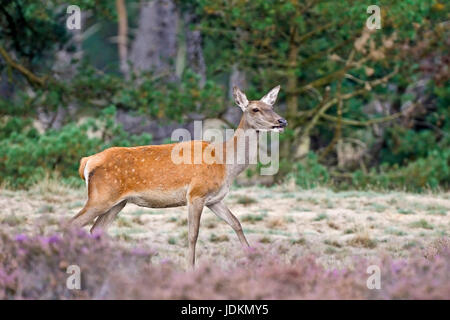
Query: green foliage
x,y
158,98
404,145
261,36
34,30
304,45
24,21
310,173
301,45
427,173
26,156
430,172
416,159
147,94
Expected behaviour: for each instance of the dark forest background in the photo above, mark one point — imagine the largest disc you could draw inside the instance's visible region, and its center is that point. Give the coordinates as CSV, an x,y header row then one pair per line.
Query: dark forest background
x,y
366,109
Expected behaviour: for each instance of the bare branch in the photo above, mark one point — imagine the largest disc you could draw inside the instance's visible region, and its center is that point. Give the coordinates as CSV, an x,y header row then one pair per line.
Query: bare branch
x,y
321,109
330,77
367,123
31,77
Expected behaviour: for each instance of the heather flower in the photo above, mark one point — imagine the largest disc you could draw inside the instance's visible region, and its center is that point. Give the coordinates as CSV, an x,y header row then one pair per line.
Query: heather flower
x,y
53,239
36,269
21,237
97,234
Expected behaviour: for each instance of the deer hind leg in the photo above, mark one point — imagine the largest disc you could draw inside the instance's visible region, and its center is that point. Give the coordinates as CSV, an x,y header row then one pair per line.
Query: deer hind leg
x,y
222,211
104,221
102,196
86,215
93,208
195,208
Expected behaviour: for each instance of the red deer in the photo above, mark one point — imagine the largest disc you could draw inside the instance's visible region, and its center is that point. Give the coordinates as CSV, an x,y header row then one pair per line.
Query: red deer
x,y
147,175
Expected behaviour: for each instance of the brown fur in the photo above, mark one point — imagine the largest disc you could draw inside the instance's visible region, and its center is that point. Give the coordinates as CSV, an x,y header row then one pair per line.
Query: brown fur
x,y
148,175
120,171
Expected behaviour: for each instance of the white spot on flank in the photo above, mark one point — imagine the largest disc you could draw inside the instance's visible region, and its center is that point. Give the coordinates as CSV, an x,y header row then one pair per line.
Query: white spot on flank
x,y
86,173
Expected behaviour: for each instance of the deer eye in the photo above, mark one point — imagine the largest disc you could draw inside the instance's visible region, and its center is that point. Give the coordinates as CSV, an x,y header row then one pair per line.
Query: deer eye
x,y
255,110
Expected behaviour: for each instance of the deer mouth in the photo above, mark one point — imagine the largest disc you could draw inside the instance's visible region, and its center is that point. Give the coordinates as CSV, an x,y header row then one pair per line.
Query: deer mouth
x,y
272,129
277,128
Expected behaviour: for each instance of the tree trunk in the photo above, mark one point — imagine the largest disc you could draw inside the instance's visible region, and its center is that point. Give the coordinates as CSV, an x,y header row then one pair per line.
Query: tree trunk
x,y
233,114
155,44
64,69
194,51
122,39
286,145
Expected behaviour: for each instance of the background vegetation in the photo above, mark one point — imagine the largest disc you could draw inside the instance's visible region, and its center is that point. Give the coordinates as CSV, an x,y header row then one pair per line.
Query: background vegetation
x,y
365,108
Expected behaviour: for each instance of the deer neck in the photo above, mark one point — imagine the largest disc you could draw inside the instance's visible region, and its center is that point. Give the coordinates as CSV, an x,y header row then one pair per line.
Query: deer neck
x,y
239,149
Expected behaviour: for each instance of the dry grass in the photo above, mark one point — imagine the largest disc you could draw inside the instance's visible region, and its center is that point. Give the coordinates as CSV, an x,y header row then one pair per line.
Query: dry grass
x,y
334,225
362,240
265,240
220,238
276,223
246,200
51,188
437,247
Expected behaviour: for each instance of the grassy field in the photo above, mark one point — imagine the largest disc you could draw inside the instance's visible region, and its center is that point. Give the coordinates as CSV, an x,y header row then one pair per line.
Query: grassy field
x,y
335,226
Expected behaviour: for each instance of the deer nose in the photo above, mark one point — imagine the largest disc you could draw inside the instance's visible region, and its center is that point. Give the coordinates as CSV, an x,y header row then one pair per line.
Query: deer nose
x,y
282,122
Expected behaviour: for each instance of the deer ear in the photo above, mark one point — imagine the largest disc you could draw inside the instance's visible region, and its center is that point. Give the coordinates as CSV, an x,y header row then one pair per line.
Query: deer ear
x,y
271,97
240,98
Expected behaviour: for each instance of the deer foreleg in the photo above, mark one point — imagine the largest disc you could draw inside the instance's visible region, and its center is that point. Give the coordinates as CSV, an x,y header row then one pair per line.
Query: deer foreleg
x,y
195,208
222,211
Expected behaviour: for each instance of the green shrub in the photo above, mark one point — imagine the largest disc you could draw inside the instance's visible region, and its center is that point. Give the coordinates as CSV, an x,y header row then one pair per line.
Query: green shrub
x,y
310,173
430,172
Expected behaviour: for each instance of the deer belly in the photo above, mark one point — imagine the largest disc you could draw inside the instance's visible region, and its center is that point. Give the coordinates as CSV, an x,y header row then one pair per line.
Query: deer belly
x,y
159,198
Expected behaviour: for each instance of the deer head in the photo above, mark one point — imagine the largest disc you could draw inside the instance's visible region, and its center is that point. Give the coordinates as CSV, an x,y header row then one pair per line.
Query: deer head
x,y
259,114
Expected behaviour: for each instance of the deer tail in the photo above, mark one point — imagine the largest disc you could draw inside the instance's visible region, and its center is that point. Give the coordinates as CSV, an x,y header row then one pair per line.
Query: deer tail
x,y
83,162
